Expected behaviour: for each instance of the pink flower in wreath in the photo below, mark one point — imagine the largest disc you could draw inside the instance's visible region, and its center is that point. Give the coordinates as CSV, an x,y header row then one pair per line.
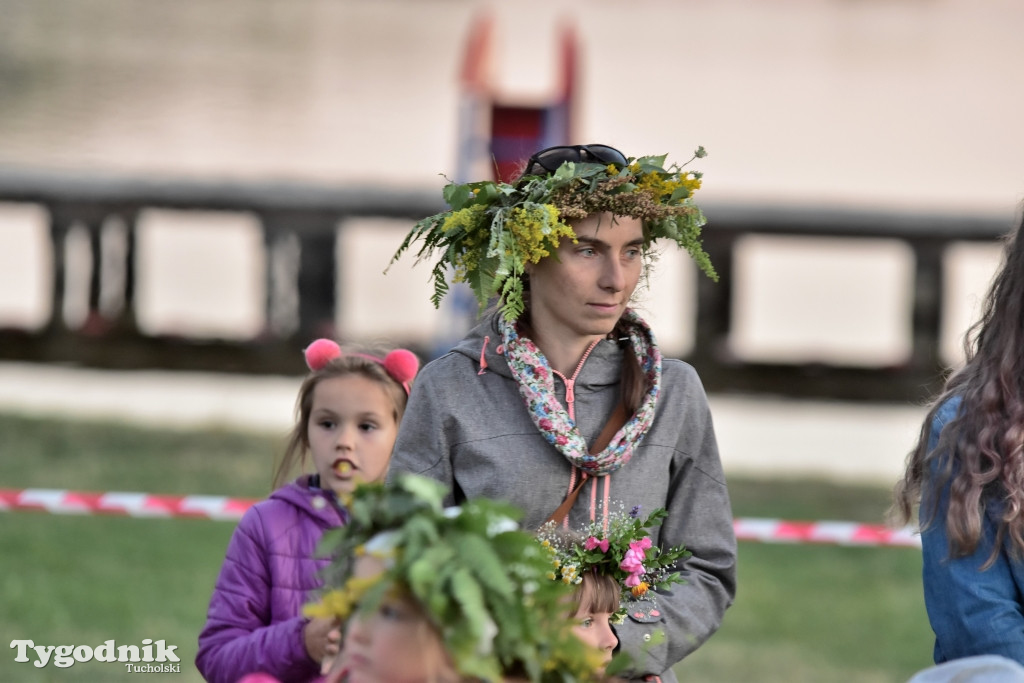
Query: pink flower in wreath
x,y
633,562
592,543
641,545
632,580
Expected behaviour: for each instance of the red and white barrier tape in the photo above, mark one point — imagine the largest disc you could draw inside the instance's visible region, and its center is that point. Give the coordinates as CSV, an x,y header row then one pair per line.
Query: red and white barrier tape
x,y
61,502
838,533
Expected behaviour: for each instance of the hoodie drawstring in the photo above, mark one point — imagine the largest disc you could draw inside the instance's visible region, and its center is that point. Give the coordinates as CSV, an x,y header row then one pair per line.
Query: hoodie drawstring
x,y
570,402
607,479
607,495
593,498
483,357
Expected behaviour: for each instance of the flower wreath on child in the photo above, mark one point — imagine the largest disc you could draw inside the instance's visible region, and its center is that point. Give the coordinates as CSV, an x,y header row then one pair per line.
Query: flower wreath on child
x,y
478,578
623,551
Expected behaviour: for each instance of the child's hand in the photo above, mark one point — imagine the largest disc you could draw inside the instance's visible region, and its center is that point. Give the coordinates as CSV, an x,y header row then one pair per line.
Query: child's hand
x,y
331,650
334,671
317,636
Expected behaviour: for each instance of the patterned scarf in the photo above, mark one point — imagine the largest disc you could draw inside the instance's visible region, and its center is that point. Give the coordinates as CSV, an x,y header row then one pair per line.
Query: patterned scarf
x,y
537,386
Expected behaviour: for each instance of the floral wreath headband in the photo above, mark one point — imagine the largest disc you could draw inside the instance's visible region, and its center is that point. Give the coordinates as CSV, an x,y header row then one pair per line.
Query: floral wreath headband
x,y
624,552
494,229
400,364
478,578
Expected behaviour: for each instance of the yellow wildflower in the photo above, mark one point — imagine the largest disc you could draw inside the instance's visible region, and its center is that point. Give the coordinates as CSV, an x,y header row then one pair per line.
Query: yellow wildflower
x,y
334,603
537,231
639,589
468,219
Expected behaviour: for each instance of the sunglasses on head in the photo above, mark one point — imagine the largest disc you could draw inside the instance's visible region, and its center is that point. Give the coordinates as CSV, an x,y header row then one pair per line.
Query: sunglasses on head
x,y
548,160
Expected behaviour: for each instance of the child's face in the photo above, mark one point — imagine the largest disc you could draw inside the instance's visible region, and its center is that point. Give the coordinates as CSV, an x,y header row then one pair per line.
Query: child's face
x,y
394,643
595,629
352,429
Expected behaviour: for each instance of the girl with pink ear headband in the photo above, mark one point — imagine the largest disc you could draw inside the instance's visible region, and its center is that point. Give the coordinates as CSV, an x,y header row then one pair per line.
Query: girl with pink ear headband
x,y
347,415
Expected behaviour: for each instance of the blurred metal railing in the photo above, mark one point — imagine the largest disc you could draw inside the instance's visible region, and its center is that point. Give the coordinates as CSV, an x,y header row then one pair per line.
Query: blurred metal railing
x,y
312,215
917,378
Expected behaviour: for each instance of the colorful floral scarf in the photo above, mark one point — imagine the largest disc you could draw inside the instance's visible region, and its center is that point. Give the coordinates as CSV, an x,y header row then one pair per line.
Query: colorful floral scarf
x,y
536,385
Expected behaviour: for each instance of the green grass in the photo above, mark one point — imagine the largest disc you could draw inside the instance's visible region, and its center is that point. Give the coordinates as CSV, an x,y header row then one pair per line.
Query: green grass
x,y
803,612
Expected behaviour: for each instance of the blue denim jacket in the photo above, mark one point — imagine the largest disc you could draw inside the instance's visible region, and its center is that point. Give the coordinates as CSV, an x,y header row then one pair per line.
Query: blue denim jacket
x,y
972,611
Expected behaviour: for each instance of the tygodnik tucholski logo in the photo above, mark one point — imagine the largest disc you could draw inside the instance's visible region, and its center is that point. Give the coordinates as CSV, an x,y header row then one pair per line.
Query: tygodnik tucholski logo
x,y
153,657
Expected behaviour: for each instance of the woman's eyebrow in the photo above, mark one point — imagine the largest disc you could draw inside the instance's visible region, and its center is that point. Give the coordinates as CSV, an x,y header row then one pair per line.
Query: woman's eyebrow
x,y
597,242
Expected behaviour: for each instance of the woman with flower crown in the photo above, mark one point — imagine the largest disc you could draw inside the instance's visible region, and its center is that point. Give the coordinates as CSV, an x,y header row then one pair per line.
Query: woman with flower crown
x,y
559,401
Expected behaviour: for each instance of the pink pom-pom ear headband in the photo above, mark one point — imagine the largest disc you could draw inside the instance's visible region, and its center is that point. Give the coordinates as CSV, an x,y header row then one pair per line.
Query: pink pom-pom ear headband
x,y
400,364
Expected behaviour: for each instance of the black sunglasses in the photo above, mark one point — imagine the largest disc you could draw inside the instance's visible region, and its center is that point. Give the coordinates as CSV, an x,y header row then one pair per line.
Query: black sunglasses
x,y
548,160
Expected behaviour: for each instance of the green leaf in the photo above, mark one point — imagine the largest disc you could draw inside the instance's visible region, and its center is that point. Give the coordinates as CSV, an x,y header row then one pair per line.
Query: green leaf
x,y
679,193
590,170
652,164
512,298
421,576
440,277
425,489
565,172
470,597
479,556
457,196
488,193
481,280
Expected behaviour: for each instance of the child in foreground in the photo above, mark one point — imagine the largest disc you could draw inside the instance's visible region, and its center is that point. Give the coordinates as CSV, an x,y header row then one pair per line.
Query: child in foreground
x,y
348,410
435,595
616,569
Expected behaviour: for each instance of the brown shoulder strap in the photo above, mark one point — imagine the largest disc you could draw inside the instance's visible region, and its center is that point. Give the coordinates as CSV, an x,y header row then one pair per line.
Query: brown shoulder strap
x,y
613,425
563,510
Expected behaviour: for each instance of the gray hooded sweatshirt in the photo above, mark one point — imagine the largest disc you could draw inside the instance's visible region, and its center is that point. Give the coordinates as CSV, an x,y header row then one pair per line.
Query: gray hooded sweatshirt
x,y
467,426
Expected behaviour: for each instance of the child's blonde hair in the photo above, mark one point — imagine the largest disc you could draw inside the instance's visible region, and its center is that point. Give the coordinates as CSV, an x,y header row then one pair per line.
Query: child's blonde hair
x,y
344,365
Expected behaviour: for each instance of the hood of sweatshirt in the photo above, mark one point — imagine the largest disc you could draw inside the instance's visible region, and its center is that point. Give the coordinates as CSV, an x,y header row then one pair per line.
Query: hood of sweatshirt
x,y
483,345
320,504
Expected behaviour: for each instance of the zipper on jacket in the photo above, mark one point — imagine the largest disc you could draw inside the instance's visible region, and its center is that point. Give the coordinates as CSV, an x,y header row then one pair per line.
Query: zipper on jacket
x,y
570,382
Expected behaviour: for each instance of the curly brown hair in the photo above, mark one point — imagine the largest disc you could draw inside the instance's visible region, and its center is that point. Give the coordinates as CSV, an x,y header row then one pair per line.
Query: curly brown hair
x,y
980,454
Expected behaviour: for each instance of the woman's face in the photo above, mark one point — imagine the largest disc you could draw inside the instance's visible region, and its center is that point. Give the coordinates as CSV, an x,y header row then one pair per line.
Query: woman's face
x,y
583,293
394,643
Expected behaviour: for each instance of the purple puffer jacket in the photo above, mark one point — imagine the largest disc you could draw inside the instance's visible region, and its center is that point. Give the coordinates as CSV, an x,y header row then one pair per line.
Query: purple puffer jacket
x,y
255,618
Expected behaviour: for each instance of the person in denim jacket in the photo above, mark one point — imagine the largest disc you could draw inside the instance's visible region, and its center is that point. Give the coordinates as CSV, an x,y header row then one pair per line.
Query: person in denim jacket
x,y
967,474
